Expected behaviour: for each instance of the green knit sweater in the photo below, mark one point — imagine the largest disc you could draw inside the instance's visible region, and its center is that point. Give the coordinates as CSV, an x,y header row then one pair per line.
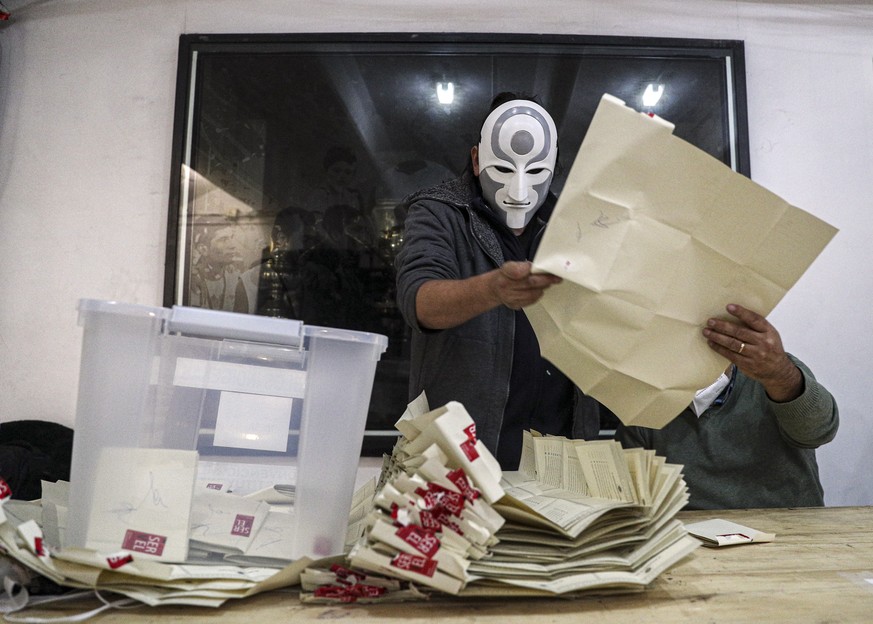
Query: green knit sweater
x,y
749,451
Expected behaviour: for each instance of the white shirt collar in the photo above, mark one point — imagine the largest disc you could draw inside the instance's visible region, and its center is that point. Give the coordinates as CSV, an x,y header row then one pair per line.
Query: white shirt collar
x,y
704,398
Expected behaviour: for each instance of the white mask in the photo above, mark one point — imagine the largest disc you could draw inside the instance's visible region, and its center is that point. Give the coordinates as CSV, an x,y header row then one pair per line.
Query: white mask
x,y
517,151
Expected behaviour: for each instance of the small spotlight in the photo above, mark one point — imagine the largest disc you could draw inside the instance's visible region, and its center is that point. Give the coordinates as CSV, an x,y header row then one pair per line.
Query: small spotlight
x,y
445,93
652,94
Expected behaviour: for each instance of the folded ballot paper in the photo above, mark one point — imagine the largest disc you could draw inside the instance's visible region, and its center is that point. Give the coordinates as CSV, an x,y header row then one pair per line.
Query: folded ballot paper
x,y
652,237
433,509
718,532
578,516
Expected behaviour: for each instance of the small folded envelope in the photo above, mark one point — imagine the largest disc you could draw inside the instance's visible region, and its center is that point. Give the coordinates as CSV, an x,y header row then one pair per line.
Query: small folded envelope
x,y
718,532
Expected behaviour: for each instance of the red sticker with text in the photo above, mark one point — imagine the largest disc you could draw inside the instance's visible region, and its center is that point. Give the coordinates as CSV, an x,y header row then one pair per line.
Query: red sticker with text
x,y
243,525
414,563
214,486
459,479
428,521
436,520
420,539
436,496
137,541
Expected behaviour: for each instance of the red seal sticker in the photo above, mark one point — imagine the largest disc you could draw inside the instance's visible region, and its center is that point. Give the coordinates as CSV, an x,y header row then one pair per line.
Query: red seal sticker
x,y
459,479
243,525
347,575
119,560
453,502
428,521
137,541
468,447
5,490
436,497
414,563
348,593
420,539
469,450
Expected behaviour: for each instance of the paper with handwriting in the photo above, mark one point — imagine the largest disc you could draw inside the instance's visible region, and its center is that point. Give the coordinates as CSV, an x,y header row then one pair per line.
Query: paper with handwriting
x,y
224,522
142,502
652,236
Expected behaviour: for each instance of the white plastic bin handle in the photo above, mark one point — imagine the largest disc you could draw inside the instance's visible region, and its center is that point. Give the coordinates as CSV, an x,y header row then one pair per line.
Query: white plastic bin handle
x,y
234,326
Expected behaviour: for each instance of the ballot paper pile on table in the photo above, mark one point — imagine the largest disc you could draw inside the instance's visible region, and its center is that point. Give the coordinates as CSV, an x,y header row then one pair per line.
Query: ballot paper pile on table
x,y
585,515
132,572
578,516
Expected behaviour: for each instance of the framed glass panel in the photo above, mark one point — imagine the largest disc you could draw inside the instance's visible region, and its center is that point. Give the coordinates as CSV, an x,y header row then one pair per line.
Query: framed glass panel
x,y
291,154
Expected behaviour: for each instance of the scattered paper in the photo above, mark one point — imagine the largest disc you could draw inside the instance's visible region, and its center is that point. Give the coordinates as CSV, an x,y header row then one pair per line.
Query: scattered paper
x,y
652,236
226,523
134,575
718,532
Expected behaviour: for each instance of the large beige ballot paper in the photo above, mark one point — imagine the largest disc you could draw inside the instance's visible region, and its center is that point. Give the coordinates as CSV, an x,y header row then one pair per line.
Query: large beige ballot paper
x,y
652,236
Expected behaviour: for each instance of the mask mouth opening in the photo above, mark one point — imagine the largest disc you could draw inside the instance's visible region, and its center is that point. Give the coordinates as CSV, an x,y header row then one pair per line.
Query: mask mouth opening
x,y
513,204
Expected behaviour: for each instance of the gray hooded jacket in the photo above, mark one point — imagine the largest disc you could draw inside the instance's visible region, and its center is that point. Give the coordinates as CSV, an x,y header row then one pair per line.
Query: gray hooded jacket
x,y
445,238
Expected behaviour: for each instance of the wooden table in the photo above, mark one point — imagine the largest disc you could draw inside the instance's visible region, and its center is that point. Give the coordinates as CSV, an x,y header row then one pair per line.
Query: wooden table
x,y
819,569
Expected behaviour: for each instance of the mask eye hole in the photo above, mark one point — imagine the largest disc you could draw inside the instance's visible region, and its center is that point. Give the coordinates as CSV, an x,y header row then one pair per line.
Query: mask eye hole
x,y
536,171
503,169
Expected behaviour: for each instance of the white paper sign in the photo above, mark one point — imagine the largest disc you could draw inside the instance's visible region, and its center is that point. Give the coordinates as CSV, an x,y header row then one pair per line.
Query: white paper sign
x,y
253,421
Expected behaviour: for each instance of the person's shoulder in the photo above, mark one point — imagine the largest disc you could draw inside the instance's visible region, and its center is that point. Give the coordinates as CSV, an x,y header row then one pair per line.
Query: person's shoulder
x,y
458,192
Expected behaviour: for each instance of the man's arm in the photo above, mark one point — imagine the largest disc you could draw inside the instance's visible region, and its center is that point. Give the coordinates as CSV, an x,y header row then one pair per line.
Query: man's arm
x,y
441,304
807,413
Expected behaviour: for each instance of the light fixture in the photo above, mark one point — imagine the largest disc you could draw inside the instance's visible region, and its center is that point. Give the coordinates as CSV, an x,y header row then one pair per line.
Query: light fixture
x,y
652,94
445,93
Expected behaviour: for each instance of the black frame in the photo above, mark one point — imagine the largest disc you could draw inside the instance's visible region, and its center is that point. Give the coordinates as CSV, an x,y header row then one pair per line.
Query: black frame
x,y
563,70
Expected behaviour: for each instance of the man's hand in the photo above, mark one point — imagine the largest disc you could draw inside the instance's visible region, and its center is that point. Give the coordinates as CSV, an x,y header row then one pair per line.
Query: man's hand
x,y
441,304
755,346
514,286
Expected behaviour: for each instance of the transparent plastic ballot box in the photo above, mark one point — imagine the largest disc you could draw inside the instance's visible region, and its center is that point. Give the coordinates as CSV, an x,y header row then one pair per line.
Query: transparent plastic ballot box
x,y
237,388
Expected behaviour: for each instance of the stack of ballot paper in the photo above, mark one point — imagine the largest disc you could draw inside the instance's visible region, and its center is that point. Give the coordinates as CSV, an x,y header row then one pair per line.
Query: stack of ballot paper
x,y
433,513
577,516
584,515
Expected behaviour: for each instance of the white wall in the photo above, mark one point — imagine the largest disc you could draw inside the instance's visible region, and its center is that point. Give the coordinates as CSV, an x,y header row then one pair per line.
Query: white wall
x,y
86,109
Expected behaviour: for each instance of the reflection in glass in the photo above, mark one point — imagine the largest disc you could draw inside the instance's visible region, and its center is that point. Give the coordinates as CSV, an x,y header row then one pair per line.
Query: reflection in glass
x,y
296,151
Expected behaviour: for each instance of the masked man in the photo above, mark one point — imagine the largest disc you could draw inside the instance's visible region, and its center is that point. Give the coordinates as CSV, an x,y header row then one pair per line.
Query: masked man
x,y
464,275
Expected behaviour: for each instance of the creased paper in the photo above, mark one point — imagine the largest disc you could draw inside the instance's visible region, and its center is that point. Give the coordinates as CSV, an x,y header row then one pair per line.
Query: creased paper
x,y
652,237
